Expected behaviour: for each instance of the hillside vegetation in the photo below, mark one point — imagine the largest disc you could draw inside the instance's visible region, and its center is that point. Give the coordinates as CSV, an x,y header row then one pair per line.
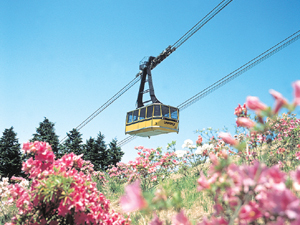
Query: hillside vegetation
x,y
252,177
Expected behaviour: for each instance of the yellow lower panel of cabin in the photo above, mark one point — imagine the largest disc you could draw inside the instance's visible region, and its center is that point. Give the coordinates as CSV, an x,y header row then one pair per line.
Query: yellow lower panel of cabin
x,y
152,127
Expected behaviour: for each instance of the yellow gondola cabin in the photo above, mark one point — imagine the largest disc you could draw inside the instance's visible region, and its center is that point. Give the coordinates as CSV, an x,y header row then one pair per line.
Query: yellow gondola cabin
x,y
152,120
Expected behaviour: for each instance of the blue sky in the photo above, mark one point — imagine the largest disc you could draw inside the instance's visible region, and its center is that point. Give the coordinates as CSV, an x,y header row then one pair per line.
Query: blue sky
x,y
64,59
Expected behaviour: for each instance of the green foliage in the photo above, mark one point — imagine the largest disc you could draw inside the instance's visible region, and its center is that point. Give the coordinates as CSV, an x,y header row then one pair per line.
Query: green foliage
x,y
95,151
101,155
73,143
46,133
114,154
10,154
6,215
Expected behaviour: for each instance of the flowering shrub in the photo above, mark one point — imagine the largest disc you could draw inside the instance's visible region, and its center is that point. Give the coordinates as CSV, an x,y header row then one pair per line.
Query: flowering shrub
x,y
60,193
244,194
253,193
264,189
150,165
271,135
7,207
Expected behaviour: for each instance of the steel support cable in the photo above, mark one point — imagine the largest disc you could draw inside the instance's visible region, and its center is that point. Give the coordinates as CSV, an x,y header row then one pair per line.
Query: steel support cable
x,y
158,60
126,140
201,23
106,104
170,49
271,51
178,43
276,48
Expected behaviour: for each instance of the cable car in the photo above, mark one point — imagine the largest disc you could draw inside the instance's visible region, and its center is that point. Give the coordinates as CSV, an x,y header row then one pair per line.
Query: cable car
x,y
152,119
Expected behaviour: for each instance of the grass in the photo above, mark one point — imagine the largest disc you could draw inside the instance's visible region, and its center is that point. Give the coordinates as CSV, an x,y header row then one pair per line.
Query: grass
x,y
182,188
6,213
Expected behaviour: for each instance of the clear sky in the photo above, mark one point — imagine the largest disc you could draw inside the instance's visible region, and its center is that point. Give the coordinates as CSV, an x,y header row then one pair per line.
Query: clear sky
x,y
64,59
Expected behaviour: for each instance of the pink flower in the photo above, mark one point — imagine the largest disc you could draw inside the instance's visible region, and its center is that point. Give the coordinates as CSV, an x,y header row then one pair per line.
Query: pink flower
x,y
245,122
238,110
180,219
133,199
250,212
156,221
254,103
213,221
226,137
63,209
26,146
283,203
295,175
279,100
203,183
199,141
296,86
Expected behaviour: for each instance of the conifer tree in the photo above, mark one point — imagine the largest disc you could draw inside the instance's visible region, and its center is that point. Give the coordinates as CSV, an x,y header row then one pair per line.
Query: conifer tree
x,y
73,143
114,153
95,151
10,154
46,133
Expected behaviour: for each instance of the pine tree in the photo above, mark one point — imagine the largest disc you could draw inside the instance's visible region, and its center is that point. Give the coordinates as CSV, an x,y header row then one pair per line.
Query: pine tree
x,y
95,152
46,133
73,143
10,154
114,153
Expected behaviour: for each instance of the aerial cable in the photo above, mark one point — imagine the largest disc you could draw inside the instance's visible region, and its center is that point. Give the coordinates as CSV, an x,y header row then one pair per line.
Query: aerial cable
x,y
201,23
106,104
126,140
170,49
271,51
157,60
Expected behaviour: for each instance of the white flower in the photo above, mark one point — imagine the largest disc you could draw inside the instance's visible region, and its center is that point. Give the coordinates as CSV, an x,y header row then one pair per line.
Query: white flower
x,y
204,147
187,143
180,153
199,151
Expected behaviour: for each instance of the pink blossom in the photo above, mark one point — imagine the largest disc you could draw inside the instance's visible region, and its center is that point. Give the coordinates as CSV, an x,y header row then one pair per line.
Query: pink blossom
x,y
180,219
254,103
238,110
133,199
296,86
203,183
155,221
245,122
90,206
279,101
250,212
214,221
276,175
199,140
226,137
283,203
26,147
295,175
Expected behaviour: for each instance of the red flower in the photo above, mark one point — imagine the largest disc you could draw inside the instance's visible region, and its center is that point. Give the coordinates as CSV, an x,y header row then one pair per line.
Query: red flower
x,y
199,141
